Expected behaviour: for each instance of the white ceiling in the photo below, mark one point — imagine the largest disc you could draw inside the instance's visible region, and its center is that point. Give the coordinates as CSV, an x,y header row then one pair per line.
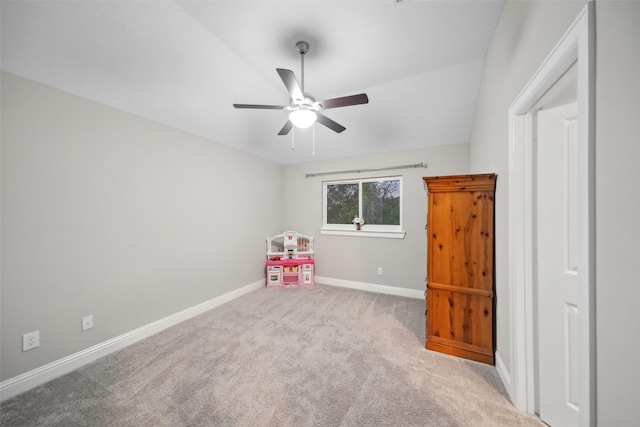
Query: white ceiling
x,y
185,63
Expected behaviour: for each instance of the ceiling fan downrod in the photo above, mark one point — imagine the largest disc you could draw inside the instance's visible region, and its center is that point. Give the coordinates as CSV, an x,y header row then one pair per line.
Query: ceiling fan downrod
x,y
303,48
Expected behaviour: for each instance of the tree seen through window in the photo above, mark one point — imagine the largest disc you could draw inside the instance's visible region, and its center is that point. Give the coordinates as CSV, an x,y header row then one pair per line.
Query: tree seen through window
x,y
377,201
342,203
381,202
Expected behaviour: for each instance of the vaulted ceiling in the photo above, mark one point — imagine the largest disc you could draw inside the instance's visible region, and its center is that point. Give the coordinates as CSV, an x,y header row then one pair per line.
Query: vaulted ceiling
x,y
184,64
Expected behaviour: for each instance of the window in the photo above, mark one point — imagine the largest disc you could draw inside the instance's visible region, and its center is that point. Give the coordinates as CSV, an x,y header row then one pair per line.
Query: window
x,y
377,200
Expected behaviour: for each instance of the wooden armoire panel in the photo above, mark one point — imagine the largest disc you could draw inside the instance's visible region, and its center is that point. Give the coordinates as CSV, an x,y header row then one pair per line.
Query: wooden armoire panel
x,y
460,273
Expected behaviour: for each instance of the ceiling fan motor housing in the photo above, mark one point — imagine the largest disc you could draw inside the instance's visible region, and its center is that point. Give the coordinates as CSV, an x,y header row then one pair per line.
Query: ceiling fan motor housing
x,y
303,47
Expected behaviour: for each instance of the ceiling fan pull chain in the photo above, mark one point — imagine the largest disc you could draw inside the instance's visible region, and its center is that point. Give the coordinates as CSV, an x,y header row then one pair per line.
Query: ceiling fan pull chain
x,y
313,146
293,139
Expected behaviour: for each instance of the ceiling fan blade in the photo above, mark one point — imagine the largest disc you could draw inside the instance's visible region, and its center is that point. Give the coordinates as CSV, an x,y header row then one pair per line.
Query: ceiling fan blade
x,y
290,81
286,128
345,101
336,127
260,107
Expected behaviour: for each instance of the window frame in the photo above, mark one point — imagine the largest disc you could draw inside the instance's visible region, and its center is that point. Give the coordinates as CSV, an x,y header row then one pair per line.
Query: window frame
x,y
367,230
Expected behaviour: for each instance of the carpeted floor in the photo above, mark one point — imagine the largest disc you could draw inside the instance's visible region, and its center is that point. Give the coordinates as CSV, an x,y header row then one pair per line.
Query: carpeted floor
x,y
323,356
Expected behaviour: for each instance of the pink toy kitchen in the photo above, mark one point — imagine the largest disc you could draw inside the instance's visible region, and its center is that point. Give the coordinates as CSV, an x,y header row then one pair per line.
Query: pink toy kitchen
x,y
290,261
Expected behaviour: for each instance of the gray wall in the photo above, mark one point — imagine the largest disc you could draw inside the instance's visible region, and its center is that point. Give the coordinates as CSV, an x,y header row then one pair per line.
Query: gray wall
x,y
355,258
109,214
618,212
525,35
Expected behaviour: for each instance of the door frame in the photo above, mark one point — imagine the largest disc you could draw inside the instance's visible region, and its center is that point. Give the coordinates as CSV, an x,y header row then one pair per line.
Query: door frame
x,y
576,46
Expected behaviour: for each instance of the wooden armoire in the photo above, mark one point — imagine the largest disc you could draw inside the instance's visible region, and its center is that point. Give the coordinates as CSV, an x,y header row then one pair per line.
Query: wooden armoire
x,y
460,296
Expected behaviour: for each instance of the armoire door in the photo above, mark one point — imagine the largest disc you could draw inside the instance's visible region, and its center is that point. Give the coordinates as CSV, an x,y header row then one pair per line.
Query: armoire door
x,y
460,266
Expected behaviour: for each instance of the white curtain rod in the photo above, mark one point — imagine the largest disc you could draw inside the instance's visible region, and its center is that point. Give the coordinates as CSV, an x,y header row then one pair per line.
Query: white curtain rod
x,y
417,165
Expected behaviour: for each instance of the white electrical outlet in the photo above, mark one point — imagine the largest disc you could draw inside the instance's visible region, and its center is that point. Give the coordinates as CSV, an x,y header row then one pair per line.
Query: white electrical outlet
x,y
87,322
380,271
30,340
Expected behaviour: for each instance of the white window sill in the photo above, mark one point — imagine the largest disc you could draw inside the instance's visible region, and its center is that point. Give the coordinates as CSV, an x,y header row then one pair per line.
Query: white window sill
x,y
364,233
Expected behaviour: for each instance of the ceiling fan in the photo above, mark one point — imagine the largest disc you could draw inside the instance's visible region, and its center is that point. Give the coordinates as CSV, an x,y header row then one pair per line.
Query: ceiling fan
x,y
304,109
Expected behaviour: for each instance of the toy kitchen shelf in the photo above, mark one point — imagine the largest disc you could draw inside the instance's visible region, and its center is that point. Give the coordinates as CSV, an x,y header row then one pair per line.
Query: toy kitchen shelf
x,y
290,260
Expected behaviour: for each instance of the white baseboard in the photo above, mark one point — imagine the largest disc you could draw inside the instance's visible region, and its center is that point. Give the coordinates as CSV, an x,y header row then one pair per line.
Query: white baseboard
x,y
504,374
28,380
381,289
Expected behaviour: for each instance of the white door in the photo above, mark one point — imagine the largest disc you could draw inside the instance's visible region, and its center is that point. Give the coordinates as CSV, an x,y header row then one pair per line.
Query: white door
x,y
556,231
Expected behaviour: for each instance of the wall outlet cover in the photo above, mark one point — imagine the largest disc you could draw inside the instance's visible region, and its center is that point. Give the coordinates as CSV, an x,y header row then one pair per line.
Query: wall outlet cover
x,y
87,322
30,341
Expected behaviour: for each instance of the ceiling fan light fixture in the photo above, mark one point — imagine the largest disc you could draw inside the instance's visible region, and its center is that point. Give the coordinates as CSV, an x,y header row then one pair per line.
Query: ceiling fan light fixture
x,y
302,118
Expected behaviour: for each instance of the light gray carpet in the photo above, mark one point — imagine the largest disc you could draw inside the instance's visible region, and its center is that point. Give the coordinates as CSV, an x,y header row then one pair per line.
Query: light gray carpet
x,y
322,356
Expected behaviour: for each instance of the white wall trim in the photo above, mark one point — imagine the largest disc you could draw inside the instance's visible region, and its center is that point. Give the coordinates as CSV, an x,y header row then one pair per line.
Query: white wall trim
x,y
28,380
371,287
503,372
364,233
577,45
